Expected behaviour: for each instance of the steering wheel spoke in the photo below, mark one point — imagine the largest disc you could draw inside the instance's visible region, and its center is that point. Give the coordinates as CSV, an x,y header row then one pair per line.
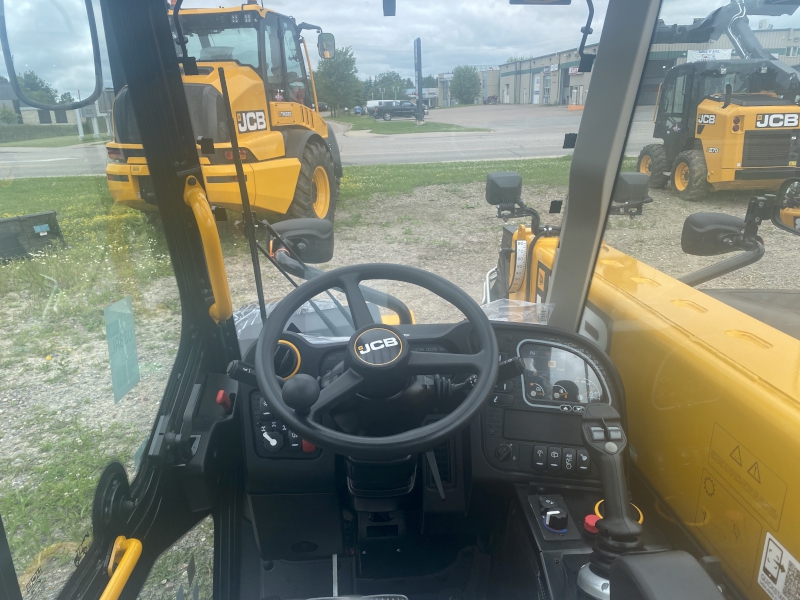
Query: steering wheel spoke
x,y
432,363
338,390
356,302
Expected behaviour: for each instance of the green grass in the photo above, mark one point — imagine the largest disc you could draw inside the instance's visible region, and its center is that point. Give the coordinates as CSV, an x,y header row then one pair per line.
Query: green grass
x,y
400,126
361,183
51,497
15,133
53,142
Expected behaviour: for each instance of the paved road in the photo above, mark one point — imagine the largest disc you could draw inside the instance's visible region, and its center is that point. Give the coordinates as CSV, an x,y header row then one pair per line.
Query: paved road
x,y
82,159
517,131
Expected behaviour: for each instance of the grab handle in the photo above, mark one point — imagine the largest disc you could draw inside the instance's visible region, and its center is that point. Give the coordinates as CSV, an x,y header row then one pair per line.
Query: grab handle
x,y
126,553
195,196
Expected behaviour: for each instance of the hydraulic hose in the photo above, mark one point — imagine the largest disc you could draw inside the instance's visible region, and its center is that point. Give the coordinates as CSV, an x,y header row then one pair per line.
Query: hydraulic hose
x,y
12,72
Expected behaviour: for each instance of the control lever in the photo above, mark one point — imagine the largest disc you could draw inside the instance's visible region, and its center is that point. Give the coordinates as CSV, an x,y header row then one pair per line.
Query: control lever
x,y
619,534
509,369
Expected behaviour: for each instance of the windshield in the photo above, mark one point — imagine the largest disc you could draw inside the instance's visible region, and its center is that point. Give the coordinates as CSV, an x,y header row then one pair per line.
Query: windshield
x,y
216,40
144,253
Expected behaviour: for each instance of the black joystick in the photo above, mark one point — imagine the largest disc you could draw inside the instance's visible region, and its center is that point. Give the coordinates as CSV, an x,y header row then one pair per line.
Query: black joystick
x,y
618,534
301,393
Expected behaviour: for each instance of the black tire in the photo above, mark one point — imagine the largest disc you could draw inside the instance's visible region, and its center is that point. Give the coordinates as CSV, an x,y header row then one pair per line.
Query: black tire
x,y
653,161
315,155
387,116
690,175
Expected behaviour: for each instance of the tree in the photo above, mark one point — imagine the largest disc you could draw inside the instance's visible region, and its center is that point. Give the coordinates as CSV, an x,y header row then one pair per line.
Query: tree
x,y
3,79
429,81
65,98
337,81
8,116
519,58
36,88
466,84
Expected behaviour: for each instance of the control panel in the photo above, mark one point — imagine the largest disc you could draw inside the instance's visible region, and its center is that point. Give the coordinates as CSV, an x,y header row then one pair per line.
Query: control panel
x,y
273,439
532,423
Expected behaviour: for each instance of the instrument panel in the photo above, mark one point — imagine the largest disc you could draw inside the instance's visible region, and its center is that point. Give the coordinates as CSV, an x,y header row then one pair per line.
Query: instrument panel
x,y
533,422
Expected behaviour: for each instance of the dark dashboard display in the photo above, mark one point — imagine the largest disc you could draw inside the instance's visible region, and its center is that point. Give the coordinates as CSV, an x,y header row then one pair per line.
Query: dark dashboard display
x,y
557,375
529,426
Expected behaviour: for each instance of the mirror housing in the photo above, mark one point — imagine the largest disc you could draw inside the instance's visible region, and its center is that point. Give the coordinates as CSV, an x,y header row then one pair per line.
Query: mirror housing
x,y
710,234
504,188
326,44
310,239
631,187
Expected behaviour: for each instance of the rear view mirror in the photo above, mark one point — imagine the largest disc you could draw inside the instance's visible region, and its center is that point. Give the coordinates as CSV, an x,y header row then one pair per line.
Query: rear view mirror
x,y
709,234
326,44
310,239
503,188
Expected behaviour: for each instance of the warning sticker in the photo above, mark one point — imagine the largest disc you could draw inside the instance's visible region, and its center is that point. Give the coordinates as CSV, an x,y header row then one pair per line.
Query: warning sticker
x,y
780,571
759,485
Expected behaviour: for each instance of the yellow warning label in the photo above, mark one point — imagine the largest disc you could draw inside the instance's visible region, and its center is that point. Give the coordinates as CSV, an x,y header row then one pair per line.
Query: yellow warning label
x,y
759,485
726,524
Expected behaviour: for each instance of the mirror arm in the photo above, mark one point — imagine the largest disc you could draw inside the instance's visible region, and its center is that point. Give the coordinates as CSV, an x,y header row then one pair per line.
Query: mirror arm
x,y
303,26
587,60
754,250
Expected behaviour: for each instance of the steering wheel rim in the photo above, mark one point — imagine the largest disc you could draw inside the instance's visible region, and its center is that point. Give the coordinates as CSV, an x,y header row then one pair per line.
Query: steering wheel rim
x,y
484,363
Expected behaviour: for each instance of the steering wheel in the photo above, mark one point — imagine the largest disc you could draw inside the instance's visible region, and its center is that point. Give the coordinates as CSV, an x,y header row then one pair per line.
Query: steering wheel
x,y
378,361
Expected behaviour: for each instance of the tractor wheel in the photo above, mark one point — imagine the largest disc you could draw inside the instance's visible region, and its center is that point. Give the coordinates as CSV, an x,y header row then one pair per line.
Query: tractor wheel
x,y
317,188
653,161
690,175
387,116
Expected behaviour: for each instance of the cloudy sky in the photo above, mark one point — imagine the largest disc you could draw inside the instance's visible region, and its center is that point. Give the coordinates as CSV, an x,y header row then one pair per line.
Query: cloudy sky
x,y
51,36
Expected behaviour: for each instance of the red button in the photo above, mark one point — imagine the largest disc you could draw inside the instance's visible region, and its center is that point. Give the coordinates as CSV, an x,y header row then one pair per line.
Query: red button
x,y
224,401
590,523
308,446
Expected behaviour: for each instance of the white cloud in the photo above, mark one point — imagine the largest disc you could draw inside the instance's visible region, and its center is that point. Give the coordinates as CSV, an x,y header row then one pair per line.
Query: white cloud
x,y
51,36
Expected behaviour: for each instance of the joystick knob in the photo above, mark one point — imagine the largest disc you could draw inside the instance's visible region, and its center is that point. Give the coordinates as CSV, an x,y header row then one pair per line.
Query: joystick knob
x,y
300,393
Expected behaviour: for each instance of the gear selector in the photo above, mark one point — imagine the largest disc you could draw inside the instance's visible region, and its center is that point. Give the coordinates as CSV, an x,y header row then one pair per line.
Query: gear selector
x,y
618,534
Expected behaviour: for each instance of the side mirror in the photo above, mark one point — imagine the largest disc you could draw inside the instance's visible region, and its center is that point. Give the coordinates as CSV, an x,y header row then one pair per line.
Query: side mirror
x,y
326,44
709,234
310,239
787,219
503,188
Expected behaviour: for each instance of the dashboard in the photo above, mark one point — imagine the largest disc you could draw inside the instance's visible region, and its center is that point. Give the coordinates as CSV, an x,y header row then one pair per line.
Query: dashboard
x,y
531,426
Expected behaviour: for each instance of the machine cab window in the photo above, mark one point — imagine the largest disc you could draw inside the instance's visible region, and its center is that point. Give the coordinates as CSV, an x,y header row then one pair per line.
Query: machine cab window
x,y
273,63
296,81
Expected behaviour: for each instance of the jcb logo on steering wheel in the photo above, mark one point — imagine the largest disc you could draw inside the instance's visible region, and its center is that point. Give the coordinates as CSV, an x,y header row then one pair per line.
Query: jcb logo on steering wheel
x,y
377,345
778,120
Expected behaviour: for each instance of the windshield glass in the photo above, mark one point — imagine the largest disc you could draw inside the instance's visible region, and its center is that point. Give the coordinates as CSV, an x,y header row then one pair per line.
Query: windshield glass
x,y
208,41
135,290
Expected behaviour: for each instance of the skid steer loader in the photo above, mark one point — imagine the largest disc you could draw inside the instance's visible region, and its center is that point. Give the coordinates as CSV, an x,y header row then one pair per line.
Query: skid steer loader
x,y
725,124
291,158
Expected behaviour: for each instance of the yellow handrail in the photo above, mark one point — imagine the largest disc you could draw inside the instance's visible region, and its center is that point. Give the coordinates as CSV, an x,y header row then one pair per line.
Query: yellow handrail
x,y
311,75
195,196
126,553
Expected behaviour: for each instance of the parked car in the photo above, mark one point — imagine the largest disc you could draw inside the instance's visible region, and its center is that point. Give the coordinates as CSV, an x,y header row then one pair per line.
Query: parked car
x,y
372,105
323,106
402,108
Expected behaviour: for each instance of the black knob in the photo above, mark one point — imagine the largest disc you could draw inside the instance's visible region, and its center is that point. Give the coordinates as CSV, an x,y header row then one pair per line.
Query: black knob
x,y
300,393
272,440
556,519
503,453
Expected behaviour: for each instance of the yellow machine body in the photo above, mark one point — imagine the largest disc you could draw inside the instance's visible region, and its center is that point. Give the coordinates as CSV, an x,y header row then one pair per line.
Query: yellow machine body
x,y
737,140
271,175
712,404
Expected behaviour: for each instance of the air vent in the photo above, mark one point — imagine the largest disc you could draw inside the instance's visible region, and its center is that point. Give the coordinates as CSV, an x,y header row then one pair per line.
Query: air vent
x,y
287,360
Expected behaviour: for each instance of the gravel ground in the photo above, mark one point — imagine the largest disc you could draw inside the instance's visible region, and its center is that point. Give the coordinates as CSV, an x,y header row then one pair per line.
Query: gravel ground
x,y
447,229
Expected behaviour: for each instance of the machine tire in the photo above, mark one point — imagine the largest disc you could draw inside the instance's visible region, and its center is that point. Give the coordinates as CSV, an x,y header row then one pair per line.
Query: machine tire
x,y
387,116
316,168
690,175
653,161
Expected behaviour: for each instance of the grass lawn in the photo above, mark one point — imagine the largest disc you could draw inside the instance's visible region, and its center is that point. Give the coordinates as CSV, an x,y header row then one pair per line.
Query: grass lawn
x,y
400,126
53,142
